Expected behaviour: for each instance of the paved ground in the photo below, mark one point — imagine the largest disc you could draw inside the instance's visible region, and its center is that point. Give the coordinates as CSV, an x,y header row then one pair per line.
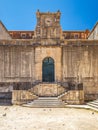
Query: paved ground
x,y
22,118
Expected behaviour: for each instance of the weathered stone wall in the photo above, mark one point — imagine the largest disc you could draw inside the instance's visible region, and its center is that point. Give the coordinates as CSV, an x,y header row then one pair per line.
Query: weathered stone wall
x,y
22,96
46,89
80,64
16,64
74,97
24,63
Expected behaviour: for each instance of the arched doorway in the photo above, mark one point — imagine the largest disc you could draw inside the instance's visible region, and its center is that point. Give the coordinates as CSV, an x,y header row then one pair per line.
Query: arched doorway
x,y
48,70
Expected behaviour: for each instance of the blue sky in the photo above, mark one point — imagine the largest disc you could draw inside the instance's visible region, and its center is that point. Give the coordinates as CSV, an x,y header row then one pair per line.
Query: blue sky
x,y
76,14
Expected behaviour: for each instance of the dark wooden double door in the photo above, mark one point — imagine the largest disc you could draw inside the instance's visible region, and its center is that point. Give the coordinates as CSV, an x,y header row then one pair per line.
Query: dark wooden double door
x,y
48,70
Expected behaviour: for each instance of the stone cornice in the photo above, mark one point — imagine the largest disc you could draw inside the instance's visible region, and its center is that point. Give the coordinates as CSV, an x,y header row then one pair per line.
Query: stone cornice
x,y
48,42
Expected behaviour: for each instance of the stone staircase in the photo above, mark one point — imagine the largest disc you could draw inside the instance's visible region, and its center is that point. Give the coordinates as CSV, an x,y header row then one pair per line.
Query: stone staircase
x,y
93,104
63,94
46,102
48,90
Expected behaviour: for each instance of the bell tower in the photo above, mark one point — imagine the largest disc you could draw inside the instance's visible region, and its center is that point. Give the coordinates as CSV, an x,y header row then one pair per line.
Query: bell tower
x,y
48,25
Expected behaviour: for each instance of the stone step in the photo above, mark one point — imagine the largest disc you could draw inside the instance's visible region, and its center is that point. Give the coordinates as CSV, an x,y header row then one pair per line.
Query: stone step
x,y
44,105
96,101
47,98
62,94
93,104
45,102
38,102
48,102
41,104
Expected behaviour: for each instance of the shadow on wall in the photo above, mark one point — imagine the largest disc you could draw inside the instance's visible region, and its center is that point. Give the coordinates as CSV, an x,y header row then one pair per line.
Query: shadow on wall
x,y
6,94
5,98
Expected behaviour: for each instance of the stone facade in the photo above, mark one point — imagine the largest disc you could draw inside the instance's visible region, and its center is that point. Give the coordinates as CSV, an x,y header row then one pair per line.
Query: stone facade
x,y
75,62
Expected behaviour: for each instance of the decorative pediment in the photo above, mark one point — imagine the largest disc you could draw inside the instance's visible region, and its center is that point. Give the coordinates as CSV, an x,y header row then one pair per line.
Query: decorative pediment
x,y
4,35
